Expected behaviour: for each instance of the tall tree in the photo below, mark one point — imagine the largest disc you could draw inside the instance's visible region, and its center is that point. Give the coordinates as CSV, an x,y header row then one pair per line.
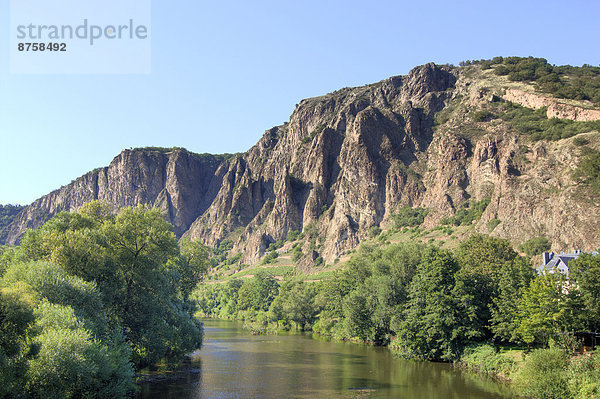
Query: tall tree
x,y
134,259
548,307
514,280
585,273
481,259
431,319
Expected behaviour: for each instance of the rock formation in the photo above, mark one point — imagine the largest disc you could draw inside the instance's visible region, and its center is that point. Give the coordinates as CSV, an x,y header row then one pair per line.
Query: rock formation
x,y
346,162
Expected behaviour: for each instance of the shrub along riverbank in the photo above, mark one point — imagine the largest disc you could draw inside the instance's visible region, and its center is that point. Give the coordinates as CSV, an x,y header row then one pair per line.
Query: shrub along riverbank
x,y
542,373
90,298
432,304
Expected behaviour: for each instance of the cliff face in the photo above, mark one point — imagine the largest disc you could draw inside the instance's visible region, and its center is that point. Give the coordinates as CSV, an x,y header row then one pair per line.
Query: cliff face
x,y
555,109
180,183
346,162
340,163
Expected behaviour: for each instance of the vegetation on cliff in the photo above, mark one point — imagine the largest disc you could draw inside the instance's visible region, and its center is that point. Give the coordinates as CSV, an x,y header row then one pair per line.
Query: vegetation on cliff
x,y
566,81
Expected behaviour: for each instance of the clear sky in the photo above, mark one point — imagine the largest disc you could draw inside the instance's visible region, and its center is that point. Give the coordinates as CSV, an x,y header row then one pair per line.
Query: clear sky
x,y
225,71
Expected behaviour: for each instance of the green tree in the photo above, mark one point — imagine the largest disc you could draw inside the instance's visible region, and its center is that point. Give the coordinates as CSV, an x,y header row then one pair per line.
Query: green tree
x,y
134,259
257,293
139,245
298,303
357,315
196,263
535,246
72,362
548,307
410,217
382,303
77,352
16,319
53,284
482,260
431,319
585,273
514,279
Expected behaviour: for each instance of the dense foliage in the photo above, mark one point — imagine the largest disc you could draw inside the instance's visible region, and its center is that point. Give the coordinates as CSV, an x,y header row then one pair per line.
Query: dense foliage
x,y
536,125
469,212
432,304
588,171
409,217
578,83
422,301
90,297
535,246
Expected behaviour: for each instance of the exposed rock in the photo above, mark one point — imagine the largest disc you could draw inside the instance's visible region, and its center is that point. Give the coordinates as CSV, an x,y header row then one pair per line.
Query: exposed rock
x,y
345,162
178,182
556,109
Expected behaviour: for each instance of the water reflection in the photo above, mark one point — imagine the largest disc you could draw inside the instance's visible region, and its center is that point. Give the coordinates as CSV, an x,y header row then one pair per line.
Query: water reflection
x,y
235,364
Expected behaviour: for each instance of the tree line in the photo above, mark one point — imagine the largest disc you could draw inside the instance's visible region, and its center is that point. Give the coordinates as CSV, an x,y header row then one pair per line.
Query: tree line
x,y
423,301
90,298
427,303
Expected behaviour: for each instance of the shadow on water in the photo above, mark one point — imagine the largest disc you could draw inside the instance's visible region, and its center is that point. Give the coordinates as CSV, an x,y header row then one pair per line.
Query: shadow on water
x,y
235,364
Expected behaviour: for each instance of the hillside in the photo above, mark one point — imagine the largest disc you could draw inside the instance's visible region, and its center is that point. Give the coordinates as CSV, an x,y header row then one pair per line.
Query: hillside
x,y
442,138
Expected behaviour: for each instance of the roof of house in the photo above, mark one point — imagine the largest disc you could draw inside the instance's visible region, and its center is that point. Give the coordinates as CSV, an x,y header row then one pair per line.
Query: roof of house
x,y
557,260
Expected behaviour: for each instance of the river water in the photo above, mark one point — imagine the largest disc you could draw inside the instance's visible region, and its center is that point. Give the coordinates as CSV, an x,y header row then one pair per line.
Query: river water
x,y
236,364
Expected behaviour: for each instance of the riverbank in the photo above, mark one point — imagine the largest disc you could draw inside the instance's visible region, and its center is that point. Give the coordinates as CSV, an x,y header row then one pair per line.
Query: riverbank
x,y
424,302
542,373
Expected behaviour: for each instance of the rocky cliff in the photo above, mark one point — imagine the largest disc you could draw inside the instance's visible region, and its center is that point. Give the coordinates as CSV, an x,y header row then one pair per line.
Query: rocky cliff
x,y
346,162
180,183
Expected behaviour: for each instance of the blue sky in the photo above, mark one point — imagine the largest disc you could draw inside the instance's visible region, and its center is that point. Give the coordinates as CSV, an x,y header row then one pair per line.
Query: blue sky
x,y
224,72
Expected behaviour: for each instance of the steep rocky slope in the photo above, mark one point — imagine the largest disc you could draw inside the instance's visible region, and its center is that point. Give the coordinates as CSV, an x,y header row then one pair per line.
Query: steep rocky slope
x,y
347,161
180,183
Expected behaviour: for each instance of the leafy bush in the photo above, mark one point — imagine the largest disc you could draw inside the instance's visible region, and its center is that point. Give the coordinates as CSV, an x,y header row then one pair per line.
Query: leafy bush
x,y
584,376
374,231
588,171
543,375
580,141
535,246
482,115
292,235
233,260
484,358
275,245
55,285
270,257
469,212
409,217
297,253
72,362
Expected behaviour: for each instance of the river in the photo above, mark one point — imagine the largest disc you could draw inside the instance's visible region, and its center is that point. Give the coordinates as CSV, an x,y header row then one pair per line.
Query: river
x,y
236,364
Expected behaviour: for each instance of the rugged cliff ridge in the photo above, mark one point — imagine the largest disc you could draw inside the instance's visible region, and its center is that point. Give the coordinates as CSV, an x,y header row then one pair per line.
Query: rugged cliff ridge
x,y
347,161
180,183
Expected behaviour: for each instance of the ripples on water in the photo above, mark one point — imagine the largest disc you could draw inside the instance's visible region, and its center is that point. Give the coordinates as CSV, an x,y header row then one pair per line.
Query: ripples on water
x,y
235,364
